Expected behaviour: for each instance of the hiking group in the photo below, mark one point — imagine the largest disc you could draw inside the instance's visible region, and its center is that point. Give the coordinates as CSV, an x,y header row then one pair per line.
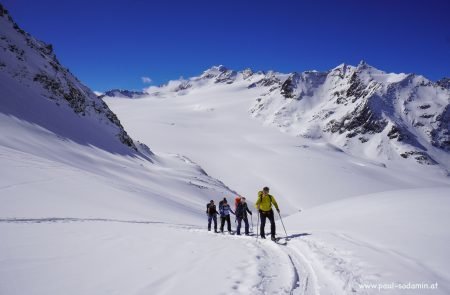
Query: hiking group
x,y
263,205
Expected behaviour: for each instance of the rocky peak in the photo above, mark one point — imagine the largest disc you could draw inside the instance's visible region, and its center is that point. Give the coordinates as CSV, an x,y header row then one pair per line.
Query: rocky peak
x,y
220,74
122,93
288,88
342,71
214,71
362,64
247,73
32,65
270,79
444,83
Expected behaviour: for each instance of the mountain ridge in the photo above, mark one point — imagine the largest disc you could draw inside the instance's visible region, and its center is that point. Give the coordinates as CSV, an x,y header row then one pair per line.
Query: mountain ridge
x,y
361,109
50,95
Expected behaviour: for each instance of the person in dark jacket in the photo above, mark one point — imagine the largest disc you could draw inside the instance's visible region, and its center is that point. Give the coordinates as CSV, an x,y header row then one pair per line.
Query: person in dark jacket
x,y
211,211
225,210
241,214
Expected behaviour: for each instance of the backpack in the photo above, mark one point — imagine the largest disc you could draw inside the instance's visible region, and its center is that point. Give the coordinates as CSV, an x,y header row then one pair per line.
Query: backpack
x,y
237,200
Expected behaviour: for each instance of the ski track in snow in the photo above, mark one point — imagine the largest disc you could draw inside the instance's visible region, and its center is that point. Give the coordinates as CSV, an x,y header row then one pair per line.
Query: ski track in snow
x,y
280,269
273,260
305,265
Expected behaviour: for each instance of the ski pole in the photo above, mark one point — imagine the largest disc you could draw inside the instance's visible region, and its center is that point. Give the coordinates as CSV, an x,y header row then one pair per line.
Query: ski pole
x,y
257,226
282,223
251,217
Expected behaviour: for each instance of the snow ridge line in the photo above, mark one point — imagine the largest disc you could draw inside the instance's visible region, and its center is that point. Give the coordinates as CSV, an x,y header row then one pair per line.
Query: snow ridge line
x,y
75,219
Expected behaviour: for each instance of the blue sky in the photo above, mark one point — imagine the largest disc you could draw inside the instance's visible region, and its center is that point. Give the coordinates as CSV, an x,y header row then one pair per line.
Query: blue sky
x,y
112,44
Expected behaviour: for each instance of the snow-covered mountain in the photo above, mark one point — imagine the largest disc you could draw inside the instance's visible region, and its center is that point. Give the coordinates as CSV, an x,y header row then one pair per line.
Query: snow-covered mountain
x,y
358,114
38,89
85,209
362,110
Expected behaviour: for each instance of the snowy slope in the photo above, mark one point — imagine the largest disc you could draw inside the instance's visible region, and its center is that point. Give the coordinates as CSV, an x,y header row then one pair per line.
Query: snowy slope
x,y
84,209
370,218
362,110
395,237
49,118
210,121
87,210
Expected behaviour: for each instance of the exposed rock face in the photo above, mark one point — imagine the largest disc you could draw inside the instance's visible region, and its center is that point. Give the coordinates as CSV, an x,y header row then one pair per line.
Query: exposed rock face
x,y
300,85
441,134
269,80
360,121
220,74
420,157
444,83
290,85
123,93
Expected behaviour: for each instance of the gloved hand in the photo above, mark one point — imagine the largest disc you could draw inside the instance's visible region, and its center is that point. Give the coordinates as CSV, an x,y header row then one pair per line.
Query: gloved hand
x,y
278,210
251,213
260,211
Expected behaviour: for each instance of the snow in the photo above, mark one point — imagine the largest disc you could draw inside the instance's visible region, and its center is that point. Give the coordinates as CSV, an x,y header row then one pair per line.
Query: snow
x,y
338,241
211,125
83,212
396,236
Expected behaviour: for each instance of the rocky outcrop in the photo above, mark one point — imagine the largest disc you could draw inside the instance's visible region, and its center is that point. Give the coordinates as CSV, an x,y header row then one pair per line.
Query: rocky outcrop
x,y
362,120
290,85
269,80
444,83
441,134
123,93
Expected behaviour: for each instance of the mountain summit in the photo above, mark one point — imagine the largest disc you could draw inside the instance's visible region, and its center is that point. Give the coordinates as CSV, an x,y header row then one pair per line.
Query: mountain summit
x,y
36,88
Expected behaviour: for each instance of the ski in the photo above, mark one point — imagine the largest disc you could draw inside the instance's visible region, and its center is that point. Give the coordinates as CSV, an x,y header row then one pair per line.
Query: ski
x,y
280,241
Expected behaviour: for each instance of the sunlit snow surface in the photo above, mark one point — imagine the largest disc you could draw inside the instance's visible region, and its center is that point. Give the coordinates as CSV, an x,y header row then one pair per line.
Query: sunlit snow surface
x,y
83,213
366,221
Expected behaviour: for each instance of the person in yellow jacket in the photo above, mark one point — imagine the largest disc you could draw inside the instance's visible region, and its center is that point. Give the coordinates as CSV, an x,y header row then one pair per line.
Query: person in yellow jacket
x,y
264,205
